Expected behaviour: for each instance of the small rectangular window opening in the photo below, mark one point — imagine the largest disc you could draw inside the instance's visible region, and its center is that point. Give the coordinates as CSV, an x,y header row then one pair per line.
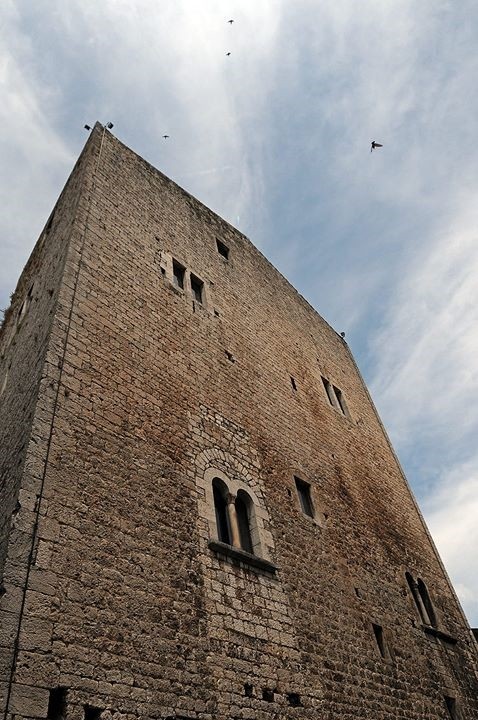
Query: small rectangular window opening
x,y
57,704
294,699
378,632
293,383
197,288
92,713
329,390
222,249
248,690
303,491
450,703
268,694
340,400
178,275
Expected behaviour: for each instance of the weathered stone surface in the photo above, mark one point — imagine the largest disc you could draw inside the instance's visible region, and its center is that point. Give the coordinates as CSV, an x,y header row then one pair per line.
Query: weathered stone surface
x,y
128,398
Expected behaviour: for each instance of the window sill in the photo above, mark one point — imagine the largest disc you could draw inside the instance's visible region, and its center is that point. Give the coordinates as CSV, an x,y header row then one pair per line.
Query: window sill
x,y
429,630
242,556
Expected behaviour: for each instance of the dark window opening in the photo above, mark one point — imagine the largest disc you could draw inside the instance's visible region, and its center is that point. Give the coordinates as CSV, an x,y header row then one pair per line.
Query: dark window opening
x,y
340,400
427,603
248,690
222,249
293,383
267,694
378,632
450,703
242,506
294,699
92,713
220,506
178,275
303,491
330,392
197,288
57,704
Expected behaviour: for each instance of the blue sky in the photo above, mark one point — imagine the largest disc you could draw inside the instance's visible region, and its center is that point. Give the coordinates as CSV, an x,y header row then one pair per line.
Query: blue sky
x,y
275,138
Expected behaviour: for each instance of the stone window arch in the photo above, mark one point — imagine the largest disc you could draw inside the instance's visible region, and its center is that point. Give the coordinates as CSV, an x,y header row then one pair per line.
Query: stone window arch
x,y
220,493
421,597
243,505
235,514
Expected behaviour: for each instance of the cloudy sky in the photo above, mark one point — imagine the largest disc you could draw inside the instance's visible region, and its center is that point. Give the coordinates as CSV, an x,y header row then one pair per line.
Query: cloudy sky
x,y
275,138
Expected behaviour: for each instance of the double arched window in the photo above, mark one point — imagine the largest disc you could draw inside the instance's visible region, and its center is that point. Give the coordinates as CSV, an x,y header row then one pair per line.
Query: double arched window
x,y
422,600
234,516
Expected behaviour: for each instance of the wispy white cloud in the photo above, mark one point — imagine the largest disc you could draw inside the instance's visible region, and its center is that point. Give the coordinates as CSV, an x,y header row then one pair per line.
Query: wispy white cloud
x,y
451,513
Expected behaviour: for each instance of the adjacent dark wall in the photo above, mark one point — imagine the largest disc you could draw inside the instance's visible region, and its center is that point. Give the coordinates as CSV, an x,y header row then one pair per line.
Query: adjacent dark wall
x,y
139,616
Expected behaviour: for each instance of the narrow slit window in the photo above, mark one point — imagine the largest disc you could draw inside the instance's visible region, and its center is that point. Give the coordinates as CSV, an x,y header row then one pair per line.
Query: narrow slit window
x,y
380,640
303,491
178,275
197,286
222,249
293,383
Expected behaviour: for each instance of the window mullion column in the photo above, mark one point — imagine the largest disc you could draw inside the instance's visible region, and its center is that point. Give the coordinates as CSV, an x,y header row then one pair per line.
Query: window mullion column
x,y
233,523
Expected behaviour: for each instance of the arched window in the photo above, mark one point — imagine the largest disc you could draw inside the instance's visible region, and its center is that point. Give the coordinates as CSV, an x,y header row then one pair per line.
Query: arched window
x,y
422,600
220,505
243,512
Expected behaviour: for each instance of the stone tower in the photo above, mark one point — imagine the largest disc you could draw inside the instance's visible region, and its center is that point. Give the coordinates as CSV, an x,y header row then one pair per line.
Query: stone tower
x,y
201,515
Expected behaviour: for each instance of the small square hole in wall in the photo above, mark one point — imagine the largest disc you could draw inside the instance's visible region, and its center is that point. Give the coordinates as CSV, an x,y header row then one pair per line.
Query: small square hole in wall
x,y
293,699
178,274
92,712
222,249
303,491
248,690
197,287
57,704
268,694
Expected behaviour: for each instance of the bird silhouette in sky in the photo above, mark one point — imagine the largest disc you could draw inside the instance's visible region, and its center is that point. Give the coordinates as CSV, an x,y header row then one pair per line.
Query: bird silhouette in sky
x,y
165,137
375,145
230,22
228,53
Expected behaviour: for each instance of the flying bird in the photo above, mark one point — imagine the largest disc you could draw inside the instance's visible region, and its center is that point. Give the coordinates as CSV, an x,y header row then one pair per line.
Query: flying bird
x,y
375,145
228,54
230,22
165,137
87,127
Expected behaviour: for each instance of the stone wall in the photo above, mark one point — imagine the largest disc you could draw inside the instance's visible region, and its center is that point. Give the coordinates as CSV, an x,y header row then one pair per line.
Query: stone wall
x,y
32,340
157,393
